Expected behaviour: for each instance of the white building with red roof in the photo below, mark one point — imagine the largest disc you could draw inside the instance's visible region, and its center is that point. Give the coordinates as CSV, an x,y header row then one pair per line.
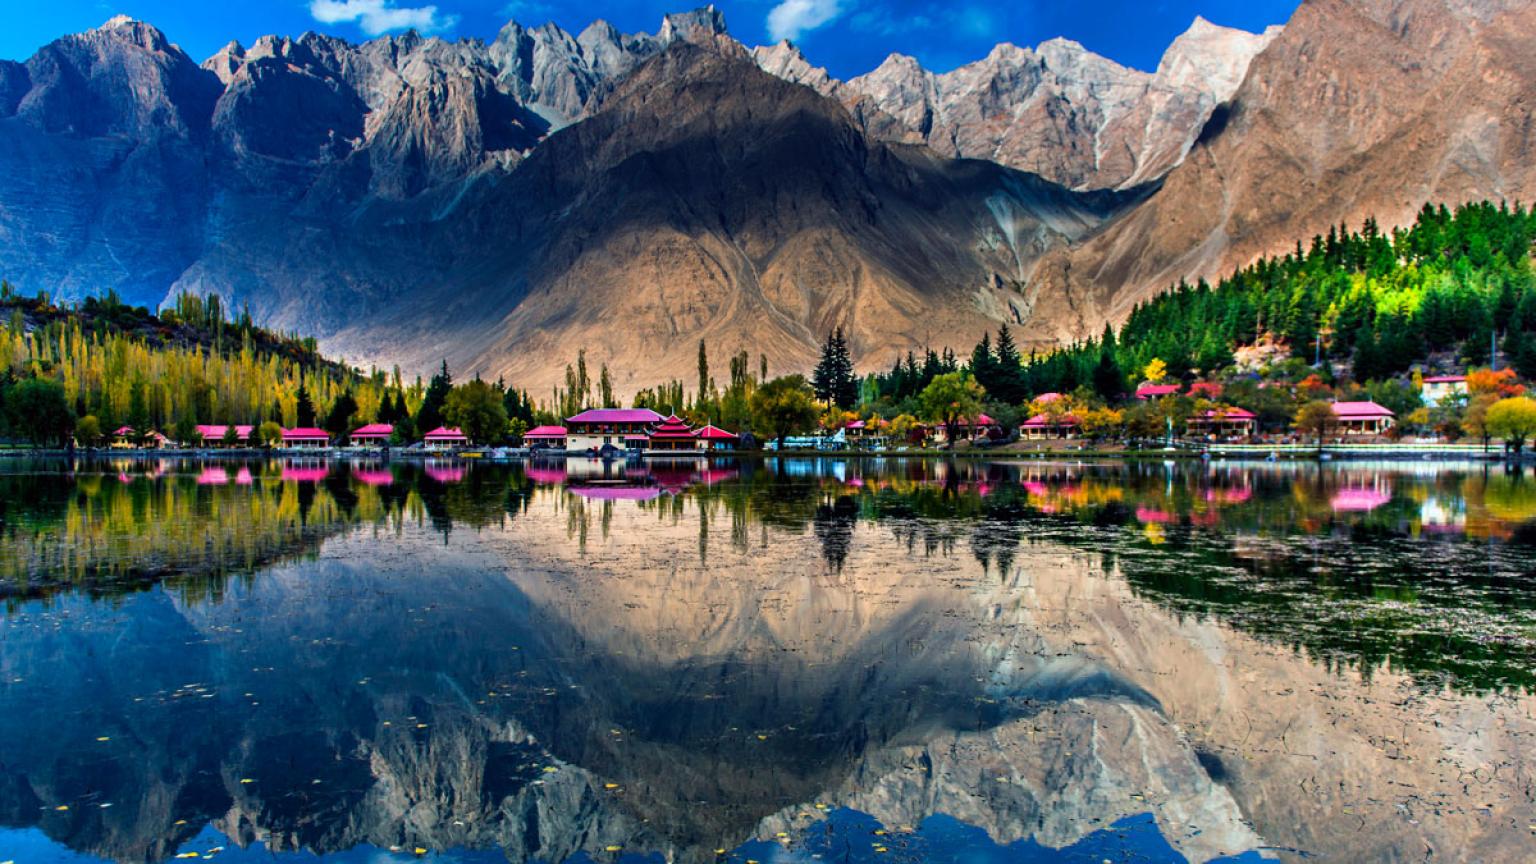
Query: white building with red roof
x,y
608,427
306,438
445,438
1363,418
1437,388
372,435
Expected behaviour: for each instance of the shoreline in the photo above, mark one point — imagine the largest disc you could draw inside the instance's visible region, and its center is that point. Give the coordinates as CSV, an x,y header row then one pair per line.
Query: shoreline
x,y
1281,453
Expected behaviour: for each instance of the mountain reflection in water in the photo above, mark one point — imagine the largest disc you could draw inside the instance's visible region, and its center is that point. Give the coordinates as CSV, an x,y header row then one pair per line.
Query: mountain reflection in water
x,y
913,659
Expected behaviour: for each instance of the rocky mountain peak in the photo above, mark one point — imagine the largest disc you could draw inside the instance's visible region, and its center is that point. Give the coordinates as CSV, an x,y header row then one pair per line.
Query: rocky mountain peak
x,y
698,26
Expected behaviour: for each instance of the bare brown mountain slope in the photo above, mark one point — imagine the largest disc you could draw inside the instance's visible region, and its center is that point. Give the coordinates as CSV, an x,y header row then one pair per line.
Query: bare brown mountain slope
x,y
707,199
1359,108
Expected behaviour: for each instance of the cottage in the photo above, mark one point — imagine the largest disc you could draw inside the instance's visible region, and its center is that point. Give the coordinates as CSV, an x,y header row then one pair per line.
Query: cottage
x,y
545,437
1362,418
1225,422
715,438
125,438
444,438
1042,426
372,435
1436,389
608,427
1148,392
213,436
306,438
673,433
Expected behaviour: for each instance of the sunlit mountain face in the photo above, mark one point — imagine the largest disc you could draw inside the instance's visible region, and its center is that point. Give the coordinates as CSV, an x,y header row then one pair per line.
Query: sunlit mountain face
x,y
720,660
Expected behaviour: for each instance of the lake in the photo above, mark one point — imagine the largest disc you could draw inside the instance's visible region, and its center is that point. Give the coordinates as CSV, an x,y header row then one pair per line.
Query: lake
x,y
766,661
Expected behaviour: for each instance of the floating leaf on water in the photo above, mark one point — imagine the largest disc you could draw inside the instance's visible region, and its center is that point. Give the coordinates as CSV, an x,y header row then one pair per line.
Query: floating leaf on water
x,y
61,808
612,848
105,738
246,780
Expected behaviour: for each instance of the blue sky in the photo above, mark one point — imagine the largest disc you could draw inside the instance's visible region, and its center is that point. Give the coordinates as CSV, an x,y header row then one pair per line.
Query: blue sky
x,y
849,37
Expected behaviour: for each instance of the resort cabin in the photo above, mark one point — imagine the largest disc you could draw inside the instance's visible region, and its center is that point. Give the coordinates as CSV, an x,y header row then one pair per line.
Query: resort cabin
x,y
715,438
674,434
443,438
306,438
1225,423
123,439
609,427
1438,388
1362,418
545,438
1043,426
1048,398
1148,392
213,436
372,435
967,429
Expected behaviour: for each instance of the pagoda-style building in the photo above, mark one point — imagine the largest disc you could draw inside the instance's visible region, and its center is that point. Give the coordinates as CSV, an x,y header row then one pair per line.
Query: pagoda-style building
x,y
674,434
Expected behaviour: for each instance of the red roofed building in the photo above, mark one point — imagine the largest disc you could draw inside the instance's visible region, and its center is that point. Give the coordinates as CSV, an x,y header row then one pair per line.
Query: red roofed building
x,y
604,427
1147,392
1225,421
213,436
547,437
715,438
443,438
123,439
1042,426
306,438
372,435
1363,418
1437,388
673,433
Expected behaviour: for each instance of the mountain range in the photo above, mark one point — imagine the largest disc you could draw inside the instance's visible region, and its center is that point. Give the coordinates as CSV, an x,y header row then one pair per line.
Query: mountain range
x,y
505,205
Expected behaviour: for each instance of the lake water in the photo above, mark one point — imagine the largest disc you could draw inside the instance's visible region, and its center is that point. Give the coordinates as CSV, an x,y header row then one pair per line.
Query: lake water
x,y
777,661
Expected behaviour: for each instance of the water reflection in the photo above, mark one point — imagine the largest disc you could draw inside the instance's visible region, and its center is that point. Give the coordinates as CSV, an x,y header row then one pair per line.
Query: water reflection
x,y
580,658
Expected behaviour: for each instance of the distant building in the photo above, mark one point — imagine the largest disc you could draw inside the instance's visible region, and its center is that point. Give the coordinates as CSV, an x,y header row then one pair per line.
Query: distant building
x,y
444,438
605,427
1225,422
306,438
551,437
1436,388
715,438
1148,392
1042,426
372,435
213,436
1363,418
673,433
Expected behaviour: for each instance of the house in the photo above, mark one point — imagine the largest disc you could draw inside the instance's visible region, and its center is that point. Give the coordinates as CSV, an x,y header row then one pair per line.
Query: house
x,y
968,429
1225,422
1436,389
1148,392
124,439
1042,426
609,427
1362,418
1048,398
306,438
545,437
673,433
443,438
715,438
213,436
372,435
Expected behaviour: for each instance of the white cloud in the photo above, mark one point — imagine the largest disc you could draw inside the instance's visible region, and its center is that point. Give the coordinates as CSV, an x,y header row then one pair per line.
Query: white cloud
x,y
793,18
380,16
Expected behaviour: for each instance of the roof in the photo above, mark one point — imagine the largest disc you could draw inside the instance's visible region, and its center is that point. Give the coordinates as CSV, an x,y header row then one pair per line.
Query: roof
x,y
305,433
981,420
715,433
545,432
672,427
216,433
851,424
616,415
1152,390
444,433
374,430
1048,398
1041,421
1360,411
1228,414
1445,379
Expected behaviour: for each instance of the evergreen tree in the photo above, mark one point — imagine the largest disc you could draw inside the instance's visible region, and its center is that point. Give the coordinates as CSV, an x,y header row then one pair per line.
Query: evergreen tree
x,y
430,415
305,408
